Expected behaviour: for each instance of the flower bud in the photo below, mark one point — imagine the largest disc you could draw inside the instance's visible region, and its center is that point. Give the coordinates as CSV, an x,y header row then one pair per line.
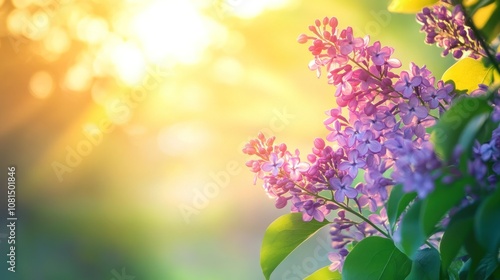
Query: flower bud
x,y
302,39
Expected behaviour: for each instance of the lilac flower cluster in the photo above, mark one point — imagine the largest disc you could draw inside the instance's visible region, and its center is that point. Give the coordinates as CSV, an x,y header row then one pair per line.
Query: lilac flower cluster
x,y
380,124
387,112
448,30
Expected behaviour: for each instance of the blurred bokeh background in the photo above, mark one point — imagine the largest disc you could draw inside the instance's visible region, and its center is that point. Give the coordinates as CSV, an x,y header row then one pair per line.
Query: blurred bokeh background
x,y
125,121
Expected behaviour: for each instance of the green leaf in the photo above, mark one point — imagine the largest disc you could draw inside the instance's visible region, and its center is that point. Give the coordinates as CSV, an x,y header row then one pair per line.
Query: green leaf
x,y
397,203
466,140
459,228
476,253
487,223
409,6
324,274
440,201
464,271
422,216
282,237
477,5
448,130
375,258
468,73
453,271
486,20
425,265
410,235
486,266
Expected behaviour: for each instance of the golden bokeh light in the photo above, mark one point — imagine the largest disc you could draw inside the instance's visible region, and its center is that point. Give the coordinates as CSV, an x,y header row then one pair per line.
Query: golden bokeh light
x,y
57,41
41,85
78,78
16,21
129,62
144,107
92,30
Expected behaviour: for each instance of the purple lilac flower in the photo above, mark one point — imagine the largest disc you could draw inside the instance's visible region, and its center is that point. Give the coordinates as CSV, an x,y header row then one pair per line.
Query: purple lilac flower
x,y
447,29
379,124
273,165
343,188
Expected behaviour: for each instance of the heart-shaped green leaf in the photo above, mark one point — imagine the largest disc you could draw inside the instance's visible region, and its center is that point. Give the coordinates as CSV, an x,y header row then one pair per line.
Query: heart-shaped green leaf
x,y
425,266
375,258
283,236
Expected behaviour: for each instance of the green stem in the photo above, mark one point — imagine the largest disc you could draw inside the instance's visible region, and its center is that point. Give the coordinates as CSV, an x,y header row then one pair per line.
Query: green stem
x,y
348,209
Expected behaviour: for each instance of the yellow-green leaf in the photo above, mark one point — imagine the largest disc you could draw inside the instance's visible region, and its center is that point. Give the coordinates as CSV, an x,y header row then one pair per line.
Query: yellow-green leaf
x,y
409,6
324,274
468,73
282,237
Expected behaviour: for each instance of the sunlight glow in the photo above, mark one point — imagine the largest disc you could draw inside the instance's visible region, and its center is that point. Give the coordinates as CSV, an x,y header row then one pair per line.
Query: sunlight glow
x,y
129,62
250,9
181,139
172,29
